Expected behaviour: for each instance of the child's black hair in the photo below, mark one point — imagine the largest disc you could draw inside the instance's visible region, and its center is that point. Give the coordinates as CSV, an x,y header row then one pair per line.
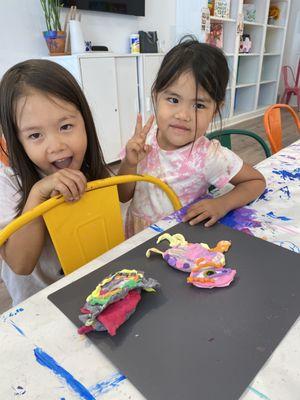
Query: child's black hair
x,y
49,78
207,64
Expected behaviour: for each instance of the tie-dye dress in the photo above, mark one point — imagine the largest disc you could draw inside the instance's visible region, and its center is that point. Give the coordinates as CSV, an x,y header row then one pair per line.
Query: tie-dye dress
x,y
189,171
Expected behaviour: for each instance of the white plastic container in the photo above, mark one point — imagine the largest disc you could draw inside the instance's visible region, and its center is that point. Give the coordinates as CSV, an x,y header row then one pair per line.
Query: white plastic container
x,y
76,37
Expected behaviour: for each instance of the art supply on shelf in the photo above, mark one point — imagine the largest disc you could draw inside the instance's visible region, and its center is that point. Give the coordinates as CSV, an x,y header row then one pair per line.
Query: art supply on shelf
x,y
134,43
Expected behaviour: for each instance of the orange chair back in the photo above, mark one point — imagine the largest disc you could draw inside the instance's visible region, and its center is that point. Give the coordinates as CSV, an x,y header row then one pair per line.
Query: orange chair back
x,y
273,127
3,151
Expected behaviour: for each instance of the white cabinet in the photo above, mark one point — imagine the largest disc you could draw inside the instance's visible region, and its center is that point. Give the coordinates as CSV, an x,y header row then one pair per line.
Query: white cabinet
x,y
128,96
148,65
110,85
100,87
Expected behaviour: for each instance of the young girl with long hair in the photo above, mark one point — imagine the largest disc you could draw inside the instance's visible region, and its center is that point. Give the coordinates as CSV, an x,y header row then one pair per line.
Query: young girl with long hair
x,y
52,149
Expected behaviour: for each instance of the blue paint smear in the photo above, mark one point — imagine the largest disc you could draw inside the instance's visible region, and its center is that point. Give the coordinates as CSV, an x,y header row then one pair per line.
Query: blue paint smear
x,y
259,394
294,175
265,196
156,228
105,386
4,317
286,193
288,245
241,219
17,311
282,218
17,328
179,214
47,361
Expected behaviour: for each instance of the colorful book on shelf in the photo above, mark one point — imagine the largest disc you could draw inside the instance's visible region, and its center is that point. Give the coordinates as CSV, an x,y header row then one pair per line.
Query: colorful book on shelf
x,y
215,36
249,12
222,8
211,6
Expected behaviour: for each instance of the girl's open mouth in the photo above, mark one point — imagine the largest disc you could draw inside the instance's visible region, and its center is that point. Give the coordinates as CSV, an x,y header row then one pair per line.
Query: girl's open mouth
x,y
63,163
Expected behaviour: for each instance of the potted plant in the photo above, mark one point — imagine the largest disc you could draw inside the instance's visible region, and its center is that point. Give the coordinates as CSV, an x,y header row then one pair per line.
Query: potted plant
x,y
54,35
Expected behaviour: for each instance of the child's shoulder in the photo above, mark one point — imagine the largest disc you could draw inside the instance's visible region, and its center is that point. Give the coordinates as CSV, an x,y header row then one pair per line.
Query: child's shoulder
x,y
211,146
7,176
205,146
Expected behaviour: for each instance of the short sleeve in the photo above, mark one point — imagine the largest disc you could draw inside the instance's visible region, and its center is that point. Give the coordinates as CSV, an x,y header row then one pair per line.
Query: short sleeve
x,y
221,164
9,196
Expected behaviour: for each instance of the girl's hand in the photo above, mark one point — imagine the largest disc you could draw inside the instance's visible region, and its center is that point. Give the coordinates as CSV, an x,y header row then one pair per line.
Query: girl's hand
x,y
136,149
211,209
68,182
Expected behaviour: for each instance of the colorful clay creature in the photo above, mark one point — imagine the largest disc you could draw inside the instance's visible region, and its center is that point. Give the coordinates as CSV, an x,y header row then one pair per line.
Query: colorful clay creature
x,y
114,300
204,264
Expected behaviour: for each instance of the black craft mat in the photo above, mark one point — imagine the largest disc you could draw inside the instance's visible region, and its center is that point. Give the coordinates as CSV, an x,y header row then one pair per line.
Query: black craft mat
x,y
189,343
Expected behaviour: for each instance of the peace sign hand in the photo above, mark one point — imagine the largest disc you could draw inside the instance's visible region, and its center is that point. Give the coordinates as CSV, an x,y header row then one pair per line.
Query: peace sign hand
x,y
136,148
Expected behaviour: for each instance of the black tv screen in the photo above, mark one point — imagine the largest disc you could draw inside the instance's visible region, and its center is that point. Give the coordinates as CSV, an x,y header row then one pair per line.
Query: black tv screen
x,y
130,7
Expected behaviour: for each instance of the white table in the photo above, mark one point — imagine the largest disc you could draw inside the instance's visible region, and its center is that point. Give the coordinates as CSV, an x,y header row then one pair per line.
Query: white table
x,y
43,357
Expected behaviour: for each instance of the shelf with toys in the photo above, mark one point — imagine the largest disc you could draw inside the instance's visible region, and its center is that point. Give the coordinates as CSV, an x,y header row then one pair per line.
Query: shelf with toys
x,y
253,33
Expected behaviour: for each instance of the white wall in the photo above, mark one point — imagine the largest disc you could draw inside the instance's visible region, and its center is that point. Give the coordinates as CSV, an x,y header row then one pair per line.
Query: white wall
x,y
292,43
21,37
188,18
22,23
160,16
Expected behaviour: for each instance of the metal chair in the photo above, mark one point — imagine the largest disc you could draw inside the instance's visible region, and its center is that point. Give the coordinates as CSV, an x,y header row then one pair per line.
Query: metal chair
x,y
224,138
291,84
272,123
83,230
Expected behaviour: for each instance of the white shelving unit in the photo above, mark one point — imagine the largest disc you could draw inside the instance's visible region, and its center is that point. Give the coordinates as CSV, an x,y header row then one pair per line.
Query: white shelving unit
x,y
254,76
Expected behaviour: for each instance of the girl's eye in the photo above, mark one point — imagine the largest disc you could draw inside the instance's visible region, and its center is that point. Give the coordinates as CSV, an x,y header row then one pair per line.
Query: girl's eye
x,y
66,127
199,106
172,100
34,136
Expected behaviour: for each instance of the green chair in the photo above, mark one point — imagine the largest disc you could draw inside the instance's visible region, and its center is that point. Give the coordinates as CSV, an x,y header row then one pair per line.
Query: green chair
x,y
224,138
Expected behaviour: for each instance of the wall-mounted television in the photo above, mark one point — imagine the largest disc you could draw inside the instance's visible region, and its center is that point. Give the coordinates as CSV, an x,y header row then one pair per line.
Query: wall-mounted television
x,y
130,7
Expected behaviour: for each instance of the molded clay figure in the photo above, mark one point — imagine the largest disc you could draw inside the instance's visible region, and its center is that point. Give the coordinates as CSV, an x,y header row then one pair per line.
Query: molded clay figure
x,y
204,264
114,300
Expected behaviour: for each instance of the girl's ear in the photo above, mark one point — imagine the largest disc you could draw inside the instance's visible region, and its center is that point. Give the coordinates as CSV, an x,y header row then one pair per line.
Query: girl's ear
x,y
221,105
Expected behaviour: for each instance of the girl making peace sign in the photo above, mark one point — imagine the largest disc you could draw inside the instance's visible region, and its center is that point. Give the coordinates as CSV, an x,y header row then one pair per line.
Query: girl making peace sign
x,y
188,93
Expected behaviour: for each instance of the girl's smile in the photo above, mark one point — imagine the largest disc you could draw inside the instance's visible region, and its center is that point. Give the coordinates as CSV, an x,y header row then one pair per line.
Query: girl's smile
x,y
179,128
52,132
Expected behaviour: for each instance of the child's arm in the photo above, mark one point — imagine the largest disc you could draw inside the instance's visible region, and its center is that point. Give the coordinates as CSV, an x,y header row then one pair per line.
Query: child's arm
x,y
136,150
249,184
23,248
